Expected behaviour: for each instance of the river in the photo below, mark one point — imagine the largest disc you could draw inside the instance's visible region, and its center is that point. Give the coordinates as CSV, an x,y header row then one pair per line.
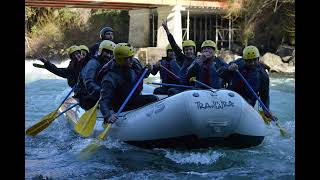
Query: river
x,y
52,153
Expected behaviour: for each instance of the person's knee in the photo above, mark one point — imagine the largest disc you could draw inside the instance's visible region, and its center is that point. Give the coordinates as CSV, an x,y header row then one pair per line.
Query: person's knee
x,y
156,91
152,98
173,91
160,90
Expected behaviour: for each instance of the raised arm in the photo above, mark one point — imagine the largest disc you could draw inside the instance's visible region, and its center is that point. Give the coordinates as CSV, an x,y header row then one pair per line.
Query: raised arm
x,y
176,49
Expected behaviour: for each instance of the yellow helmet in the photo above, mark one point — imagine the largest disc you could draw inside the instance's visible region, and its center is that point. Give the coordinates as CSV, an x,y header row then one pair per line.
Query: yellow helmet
x,y
209,43
168,47
73,49
250,52
122,51
106,44
84,47
188,43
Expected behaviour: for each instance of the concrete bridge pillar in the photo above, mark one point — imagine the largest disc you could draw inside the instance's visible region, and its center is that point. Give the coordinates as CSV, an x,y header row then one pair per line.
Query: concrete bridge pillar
x,y
139,28
173,15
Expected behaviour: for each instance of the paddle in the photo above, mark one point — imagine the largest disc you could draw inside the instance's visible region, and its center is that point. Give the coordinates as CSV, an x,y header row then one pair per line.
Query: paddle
x,y
193,79
96,142
172,85
87,121
46,120
170,72
282,131
74,105
38,65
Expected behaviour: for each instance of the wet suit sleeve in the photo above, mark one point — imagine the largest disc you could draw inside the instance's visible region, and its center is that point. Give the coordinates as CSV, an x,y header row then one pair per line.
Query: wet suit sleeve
x,y
224,73
89,78
62,72
264,90
176,49
137,65
193,70
221,63
108,86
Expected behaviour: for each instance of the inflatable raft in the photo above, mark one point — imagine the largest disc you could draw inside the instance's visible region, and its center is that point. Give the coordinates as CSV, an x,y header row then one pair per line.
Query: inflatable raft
x,y
191,119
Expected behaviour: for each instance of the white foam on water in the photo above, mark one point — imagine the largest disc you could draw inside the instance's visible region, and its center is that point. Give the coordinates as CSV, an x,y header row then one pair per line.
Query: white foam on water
x,y
280,81
194,157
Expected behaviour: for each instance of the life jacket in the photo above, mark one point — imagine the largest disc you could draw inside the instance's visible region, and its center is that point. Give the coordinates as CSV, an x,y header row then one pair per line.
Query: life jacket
x,y
109,65
167,77
183,71
253,78
208,75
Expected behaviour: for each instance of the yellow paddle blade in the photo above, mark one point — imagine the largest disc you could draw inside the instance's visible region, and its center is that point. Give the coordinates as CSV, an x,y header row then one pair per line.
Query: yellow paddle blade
x,y
103,135
87,121
264,117
42,124
268,120
282,131
87,151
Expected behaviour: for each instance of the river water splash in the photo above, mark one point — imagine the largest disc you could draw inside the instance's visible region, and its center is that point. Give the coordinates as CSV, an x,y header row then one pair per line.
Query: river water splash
x,y
53,152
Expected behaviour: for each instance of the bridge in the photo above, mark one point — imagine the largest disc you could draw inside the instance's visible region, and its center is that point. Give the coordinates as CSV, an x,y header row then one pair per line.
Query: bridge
x,y
127,4
197,20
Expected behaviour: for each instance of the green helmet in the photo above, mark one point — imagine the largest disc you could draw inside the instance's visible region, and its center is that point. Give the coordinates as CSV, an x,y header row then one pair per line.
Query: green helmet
x,y
250,52
73,49
84,47
106,44
187,43
122,51
209,43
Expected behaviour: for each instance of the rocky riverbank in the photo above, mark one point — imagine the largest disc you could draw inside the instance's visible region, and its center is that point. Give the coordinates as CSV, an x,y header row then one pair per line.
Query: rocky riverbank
x,y
283,61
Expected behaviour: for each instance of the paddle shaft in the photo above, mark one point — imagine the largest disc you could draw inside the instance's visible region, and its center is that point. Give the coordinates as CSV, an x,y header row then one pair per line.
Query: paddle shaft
x,y
170,72
203,84
173,85
131,92
68,109
68,95
255,95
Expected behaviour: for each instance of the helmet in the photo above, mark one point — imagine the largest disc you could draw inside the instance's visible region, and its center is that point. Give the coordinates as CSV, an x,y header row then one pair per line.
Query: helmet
x,y
209,43
168,47
73,49
188,43
122,51
106,44
84,47
104,30
250,52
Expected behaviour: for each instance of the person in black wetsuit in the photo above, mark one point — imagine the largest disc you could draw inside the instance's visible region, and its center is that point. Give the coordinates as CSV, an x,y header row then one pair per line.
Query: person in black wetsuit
x,y
71,73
